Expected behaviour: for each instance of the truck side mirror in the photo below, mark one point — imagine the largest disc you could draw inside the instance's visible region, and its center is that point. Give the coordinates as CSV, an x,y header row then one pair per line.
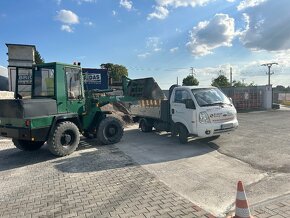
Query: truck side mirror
x,y
189,104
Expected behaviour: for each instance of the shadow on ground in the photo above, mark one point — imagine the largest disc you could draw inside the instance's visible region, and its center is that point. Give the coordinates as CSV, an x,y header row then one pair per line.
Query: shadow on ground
x,y
154,147
12,158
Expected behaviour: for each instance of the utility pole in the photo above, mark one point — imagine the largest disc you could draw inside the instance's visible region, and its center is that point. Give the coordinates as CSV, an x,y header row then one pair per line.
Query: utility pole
x,y
192,71
231,76
269,65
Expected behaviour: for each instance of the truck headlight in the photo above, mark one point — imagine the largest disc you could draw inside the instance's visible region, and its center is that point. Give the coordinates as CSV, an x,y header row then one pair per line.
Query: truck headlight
x,y
203,117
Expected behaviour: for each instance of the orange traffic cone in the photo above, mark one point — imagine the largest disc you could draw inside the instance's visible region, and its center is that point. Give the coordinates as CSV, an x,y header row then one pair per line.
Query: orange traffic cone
x,y
242,207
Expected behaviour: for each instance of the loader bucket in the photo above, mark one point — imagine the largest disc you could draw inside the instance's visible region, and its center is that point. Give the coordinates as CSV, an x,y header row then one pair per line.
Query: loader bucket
x,y
146,88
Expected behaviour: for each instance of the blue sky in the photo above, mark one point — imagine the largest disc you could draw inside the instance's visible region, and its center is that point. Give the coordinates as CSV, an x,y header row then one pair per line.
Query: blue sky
x,y
158,38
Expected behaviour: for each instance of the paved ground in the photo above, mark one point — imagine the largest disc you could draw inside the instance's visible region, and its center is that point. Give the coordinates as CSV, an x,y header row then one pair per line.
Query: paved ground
x,y
152,174
93,182
258,153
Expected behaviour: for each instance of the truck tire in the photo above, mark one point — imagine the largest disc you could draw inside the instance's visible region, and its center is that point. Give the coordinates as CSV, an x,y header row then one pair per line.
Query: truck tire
x,y
174,130
110,131
183,134
145,126
27,145
65,139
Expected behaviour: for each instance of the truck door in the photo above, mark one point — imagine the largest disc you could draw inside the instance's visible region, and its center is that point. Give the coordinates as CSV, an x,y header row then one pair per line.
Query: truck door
x,y
75,95
183,110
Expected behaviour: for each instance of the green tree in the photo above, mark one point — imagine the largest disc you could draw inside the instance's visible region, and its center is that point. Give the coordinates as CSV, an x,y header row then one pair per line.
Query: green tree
x,y
38,58
221,81
239,84
190,81
116,71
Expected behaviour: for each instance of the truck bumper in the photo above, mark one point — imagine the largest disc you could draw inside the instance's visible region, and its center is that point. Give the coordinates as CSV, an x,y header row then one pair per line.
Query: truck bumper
x,y
40,134
208,130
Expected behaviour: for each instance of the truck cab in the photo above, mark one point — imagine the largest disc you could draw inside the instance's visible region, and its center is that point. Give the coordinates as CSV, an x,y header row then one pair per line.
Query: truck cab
x,y
202,111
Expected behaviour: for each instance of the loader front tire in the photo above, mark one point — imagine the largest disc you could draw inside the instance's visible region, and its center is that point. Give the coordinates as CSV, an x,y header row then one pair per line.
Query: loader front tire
x,y
27,145
110,131
64,139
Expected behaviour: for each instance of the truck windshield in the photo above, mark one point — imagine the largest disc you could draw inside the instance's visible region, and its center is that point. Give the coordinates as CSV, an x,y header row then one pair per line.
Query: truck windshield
x,y
210,97
43,83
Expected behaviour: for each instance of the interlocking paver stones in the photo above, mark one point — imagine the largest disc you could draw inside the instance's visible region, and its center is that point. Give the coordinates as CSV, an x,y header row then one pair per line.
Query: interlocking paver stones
x,y
96,181
277,208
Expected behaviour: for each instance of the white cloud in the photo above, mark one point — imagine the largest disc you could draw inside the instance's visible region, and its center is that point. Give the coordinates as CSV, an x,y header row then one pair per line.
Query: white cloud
x,y
114,13
159,13
162,6
67,17
89,23
85,1
267,26
173,50
66,28
126,4
249,3
154,44
178,30
143,55
182,3
209,35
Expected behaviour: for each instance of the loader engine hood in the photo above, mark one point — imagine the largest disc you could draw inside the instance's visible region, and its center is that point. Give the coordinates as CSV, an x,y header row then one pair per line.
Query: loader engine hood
x,y
27,108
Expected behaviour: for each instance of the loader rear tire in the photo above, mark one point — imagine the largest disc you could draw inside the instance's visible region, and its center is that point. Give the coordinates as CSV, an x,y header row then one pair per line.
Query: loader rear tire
x,y
64,139
110,131
27,145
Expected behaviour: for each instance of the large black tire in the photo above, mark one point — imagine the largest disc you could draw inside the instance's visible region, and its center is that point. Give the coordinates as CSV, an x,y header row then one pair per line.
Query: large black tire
x,y
27,145
183,134
174,130
145,125
64,140
110,131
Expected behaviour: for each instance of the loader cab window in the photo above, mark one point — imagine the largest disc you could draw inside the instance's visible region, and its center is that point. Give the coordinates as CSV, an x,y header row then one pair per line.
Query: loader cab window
x,y
43,83
73,81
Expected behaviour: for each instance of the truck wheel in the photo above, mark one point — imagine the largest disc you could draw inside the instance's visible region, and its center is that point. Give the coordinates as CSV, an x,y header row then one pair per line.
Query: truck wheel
x,y
174,130
145,126
64,139
27,145
183,134
110,131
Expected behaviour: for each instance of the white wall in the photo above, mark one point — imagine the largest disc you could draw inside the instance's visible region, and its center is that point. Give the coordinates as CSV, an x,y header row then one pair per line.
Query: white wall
x,y
268,97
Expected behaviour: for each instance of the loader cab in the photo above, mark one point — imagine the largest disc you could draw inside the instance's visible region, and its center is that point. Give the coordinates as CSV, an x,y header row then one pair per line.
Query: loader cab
x,y
59,82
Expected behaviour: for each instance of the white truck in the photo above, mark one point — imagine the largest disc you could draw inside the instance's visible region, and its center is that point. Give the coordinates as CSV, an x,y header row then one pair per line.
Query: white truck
x,y
204,112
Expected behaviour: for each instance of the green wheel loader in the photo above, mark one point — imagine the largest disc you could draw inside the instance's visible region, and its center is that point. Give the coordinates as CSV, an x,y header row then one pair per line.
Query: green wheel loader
x,y
58,111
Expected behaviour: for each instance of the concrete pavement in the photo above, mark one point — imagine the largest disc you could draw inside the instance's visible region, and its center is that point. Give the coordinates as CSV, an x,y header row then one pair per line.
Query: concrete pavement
x,y
206,173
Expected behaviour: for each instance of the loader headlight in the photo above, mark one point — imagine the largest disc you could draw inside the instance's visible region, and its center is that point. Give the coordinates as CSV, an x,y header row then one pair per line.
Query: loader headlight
x,y
203,117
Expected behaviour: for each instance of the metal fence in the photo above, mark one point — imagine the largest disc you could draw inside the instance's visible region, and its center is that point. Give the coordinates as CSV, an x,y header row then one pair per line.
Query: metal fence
x,y
281,97
246,98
